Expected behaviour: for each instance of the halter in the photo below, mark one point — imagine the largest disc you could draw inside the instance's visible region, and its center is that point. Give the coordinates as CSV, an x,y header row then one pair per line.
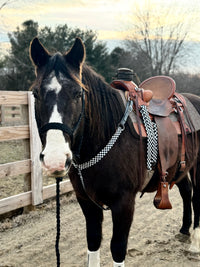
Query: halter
x,y
63,127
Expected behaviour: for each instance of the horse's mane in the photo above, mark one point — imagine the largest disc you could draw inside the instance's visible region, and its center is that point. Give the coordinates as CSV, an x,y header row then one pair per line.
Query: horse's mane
x,y
102,105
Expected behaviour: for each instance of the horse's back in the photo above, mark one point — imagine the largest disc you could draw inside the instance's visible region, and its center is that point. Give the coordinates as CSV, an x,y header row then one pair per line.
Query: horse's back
x,y
194,99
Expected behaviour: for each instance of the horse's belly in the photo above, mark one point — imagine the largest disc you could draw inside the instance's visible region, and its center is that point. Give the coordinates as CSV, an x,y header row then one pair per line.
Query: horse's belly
x,y
148,177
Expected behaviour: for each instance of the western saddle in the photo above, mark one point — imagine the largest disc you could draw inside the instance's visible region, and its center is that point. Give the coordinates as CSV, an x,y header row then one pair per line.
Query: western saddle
x,y
158,95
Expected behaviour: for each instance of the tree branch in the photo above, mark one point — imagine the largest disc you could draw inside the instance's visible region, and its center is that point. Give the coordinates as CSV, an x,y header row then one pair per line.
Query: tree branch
x,y
6,3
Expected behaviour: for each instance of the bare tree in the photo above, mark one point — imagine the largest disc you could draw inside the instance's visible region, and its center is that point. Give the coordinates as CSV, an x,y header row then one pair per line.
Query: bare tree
x,y
6,3
157,37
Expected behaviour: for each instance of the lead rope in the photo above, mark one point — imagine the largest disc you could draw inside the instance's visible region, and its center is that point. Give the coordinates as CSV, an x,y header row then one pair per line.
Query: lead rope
x,y
58,180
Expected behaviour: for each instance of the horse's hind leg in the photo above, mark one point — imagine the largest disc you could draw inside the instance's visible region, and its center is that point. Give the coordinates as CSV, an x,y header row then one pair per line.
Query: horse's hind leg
x,y
94,217
196,197
122,215
185,189
195,238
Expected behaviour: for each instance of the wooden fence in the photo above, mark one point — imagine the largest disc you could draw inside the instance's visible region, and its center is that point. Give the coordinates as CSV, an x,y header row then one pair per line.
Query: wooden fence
x,y
24,103
10,114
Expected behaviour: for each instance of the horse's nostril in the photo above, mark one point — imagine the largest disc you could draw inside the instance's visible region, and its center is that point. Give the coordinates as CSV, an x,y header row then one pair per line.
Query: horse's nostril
x,y
41,157
68,162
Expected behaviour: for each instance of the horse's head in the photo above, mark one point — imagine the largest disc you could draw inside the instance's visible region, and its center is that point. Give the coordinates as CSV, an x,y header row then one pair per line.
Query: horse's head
x,y
59,103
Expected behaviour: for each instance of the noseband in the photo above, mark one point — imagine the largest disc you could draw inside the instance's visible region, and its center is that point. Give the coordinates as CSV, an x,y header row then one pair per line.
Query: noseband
x,y
63,127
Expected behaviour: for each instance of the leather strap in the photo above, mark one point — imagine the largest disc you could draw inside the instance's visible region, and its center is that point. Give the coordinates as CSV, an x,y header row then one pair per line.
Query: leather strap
x,y
179,106
183,136
56,126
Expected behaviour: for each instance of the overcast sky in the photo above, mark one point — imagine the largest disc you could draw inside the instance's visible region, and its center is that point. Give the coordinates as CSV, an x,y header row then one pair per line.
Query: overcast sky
x,y
107,17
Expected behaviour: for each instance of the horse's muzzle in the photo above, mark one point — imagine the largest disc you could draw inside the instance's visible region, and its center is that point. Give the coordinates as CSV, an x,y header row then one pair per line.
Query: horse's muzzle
x,y
55,168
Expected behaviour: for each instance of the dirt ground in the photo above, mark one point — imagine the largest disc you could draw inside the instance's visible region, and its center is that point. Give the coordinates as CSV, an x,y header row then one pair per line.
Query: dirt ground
x,y
28,240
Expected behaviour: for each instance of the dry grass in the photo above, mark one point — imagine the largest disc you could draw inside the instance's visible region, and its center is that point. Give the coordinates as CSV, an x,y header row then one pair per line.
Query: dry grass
x,y
11,151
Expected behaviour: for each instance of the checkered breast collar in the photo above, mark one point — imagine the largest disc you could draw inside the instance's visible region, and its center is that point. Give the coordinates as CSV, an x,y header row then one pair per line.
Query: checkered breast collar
x,y
110,144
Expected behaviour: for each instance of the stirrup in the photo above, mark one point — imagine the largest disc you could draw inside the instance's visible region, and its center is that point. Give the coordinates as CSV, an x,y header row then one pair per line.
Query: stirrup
x,y
161,199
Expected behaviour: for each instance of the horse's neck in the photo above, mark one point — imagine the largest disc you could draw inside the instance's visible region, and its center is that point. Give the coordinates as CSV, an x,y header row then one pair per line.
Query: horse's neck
x,y
101,119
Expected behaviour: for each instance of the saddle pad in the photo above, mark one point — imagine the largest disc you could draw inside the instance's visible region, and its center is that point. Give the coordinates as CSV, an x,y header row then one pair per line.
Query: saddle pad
x,y
194,115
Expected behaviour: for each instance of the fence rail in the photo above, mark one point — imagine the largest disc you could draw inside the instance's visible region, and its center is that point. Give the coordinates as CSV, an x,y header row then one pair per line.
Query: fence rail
x,y
31,166
10,114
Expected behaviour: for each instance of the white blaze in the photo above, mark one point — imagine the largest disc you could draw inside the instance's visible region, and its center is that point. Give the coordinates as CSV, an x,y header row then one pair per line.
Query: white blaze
x,y
54,85
57,150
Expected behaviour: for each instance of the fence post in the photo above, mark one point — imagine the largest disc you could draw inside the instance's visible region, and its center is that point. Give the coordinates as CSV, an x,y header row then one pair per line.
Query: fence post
x,y
36,148
2,115
27,177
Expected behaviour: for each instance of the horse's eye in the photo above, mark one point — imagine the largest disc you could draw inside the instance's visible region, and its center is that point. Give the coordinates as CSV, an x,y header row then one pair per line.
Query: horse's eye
x,y
78,95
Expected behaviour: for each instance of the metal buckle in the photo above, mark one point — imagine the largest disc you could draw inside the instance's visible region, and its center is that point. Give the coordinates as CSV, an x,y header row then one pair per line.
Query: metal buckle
x,y
182,162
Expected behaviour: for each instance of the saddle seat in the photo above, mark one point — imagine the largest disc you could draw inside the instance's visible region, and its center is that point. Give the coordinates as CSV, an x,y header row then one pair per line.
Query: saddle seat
x,y
159,96
163,89
155,92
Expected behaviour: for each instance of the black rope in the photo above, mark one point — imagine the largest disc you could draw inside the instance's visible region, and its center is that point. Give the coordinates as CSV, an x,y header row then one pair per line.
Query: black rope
x,y
58,180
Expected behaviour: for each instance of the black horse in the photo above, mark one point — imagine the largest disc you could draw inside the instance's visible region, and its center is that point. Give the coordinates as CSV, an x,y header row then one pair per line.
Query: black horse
x,y
78,117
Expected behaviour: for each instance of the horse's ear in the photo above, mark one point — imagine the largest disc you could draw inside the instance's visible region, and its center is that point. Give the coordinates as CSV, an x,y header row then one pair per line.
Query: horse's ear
x,y
76,54
38,54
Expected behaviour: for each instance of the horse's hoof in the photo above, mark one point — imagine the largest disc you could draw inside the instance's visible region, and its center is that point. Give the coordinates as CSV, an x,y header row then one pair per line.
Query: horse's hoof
x,y
185,231
193,249
195,241
183,238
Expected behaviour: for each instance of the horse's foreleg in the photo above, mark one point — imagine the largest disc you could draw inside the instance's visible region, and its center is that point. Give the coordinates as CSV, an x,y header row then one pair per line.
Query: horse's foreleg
x,y
94,217
185,189
122,215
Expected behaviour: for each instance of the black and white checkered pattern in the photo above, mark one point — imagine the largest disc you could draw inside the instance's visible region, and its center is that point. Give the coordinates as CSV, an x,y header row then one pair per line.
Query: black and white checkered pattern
x,y
152,137
107,148
102,153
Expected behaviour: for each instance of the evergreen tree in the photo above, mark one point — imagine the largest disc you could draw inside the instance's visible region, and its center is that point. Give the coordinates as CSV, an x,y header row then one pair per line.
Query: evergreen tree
x,y
17,70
